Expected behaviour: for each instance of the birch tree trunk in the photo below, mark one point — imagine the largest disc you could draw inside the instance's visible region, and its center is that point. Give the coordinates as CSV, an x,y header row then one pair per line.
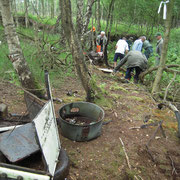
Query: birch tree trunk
x,y
52,8
109,15
15,52
26,13
87,15
43,7
76,48
98,16
163,59
15,12
79,18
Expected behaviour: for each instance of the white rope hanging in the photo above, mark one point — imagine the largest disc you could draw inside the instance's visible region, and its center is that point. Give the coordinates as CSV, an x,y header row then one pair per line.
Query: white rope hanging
x,y
165,8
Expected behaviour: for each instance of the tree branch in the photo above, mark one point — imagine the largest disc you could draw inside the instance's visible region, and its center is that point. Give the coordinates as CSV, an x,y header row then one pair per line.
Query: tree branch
x,y
148,71
166,91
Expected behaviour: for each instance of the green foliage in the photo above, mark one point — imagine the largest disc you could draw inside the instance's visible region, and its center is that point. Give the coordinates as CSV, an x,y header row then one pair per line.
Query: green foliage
x,y
38,58
41,20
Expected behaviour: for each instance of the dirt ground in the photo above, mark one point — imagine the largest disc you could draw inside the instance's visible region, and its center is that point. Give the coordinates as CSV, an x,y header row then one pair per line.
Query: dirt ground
x,y
103,158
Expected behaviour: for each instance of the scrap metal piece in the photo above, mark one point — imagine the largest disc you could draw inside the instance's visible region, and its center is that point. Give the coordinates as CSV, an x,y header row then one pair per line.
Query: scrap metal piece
x,y
19,143
3,129
106,70
33,104
3,111
47,131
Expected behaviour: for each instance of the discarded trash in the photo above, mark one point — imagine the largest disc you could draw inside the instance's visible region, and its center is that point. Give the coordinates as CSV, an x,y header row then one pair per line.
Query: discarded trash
x,y
3,111
157,137
3,129
46,129
81,121
106,70
41,134
19,143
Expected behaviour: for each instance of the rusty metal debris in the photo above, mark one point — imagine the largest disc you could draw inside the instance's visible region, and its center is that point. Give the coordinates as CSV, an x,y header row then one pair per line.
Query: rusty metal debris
x,y
39,135
19,144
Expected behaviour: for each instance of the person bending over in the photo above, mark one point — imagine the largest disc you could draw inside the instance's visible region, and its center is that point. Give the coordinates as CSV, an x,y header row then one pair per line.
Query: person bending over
x,y
135,60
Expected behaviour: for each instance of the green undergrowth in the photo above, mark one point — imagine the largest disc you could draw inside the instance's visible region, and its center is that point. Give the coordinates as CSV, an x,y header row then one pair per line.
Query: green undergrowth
x,y
100,96
42,20
37,58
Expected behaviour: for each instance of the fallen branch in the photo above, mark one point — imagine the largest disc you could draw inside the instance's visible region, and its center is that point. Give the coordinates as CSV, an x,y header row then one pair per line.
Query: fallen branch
x,y
26,36
166,68
173,166
171,70
127,158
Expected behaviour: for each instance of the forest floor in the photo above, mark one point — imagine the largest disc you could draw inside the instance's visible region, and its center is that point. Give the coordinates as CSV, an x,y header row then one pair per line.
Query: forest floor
x,y
103,158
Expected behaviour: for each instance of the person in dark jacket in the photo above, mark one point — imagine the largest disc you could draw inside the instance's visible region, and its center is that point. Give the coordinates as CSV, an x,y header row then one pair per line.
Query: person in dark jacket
x,y
135,60
130,42
148,49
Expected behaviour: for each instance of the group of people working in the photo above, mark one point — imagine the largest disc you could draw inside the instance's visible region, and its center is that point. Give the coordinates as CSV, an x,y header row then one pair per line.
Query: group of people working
x,y
133,57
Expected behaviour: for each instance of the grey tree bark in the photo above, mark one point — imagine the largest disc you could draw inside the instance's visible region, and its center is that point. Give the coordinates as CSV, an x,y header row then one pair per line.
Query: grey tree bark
x,y
15,12
43,7
15,52
98,16
76,48
26,13
87,15
79,17
111,5
52,8
163,59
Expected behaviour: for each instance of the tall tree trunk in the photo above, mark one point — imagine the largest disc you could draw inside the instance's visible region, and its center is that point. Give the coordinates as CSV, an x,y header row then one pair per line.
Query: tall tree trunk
x,y
76,48
98,16
87,15
15,52
109,15
79,18
15,13
26,13
43,7
159,73
52,8
95,13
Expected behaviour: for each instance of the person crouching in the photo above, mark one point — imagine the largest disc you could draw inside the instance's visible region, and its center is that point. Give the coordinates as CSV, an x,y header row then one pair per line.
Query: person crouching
x,y
135,60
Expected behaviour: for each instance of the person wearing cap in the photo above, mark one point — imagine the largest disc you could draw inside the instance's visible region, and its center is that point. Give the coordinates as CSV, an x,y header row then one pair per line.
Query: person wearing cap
x,y
158,47
121,50
137,46
130,42
101,40
148,48
135,60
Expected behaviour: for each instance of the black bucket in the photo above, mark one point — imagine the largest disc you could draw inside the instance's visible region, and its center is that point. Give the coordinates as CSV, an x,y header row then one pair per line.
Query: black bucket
x,y
81,121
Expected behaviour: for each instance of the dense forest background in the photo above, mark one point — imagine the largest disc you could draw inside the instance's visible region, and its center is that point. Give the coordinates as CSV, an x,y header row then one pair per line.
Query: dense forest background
x,y
43,41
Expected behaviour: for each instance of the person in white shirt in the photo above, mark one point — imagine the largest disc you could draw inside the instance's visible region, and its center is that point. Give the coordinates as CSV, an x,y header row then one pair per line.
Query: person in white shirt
x,y
137,46
121,49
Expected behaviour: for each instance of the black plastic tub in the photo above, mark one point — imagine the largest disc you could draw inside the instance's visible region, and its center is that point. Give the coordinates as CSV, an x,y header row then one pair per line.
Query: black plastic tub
x,y
81,121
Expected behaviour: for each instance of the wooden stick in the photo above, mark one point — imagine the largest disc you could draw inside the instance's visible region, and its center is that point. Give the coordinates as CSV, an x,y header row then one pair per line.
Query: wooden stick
x,y
173,167
127,158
